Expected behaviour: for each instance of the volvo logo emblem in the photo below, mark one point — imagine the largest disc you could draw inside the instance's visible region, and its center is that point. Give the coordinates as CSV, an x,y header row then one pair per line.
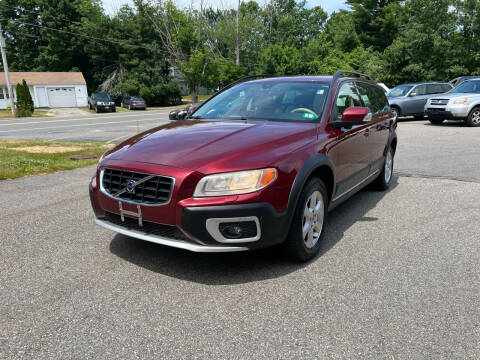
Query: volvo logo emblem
x,y
130,186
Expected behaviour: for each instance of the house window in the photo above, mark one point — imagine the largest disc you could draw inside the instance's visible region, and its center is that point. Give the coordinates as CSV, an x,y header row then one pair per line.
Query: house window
x,y
1,94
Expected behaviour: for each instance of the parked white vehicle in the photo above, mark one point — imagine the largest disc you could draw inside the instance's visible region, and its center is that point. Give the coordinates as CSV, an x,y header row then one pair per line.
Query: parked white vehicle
x,y
461,103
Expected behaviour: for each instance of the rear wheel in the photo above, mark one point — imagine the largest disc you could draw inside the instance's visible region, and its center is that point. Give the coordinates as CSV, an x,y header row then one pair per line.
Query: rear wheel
x,y
308,225
474,117
385,178
436,121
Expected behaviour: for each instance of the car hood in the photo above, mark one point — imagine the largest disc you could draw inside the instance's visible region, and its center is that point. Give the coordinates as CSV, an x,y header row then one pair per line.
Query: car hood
x,y
215,146
454,96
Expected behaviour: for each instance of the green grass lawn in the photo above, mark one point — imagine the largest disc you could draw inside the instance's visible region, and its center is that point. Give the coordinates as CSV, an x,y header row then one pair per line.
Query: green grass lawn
x,y
6,114
29,157
188,98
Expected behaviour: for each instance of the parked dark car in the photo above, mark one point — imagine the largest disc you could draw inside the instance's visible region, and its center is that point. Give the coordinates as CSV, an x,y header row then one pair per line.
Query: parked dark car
x,y
133,102
259,164
180,114
101,102
410,99
457,81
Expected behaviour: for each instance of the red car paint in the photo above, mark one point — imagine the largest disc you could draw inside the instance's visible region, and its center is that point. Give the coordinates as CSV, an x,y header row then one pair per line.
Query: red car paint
x,y
190,149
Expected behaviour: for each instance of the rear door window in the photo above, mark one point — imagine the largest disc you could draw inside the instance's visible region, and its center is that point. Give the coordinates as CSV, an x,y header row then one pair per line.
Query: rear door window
x,y
372,97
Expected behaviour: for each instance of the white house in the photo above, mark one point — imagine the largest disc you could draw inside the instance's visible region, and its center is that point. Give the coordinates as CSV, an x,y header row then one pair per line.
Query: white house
x,y
48,89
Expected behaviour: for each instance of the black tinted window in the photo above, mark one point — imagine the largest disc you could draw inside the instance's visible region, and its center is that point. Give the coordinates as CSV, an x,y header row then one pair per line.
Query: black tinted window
x,y
435,89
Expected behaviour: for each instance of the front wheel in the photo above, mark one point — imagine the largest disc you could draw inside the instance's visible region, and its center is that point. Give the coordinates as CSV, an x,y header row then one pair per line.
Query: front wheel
x,y
385,178
474,117
308,225
96,110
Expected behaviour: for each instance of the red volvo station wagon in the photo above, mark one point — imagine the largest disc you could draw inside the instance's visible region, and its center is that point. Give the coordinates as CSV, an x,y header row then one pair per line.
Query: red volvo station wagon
x,y
259,164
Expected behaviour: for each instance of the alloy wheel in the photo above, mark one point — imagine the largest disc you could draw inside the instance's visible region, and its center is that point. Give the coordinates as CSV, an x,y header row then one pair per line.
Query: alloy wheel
x,y
476,117
388,166
313,217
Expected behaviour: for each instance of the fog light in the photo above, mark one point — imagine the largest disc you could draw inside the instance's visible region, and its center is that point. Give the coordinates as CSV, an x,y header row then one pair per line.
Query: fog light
x,y
238,230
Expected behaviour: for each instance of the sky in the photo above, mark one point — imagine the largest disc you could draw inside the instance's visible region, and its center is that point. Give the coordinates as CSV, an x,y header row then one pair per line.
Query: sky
x,y
328,5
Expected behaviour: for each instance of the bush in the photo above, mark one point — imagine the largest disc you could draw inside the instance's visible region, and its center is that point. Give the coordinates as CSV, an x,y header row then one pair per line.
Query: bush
x,y
162,94
24,99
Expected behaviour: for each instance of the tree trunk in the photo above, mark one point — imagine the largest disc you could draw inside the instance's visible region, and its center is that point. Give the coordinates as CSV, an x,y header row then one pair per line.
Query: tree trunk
x,y
194,96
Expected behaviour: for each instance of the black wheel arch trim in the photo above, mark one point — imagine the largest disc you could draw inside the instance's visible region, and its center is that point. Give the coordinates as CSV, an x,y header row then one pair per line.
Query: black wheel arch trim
x,y
305,172
391,138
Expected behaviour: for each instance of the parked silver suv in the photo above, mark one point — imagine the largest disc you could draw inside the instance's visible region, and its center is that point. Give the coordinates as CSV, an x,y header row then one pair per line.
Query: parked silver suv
x,y
461,103
410,99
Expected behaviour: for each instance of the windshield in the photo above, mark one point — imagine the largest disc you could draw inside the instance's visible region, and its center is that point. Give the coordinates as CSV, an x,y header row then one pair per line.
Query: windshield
x,y
400,90
270,100
102,97
472,86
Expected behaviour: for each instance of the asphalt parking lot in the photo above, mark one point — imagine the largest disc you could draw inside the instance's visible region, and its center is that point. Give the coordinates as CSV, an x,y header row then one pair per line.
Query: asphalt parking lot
x,y
398,275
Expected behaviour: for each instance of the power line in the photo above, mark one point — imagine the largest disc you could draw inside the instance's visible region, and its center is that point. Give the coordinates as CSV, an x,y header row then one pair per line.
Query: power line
x,y
113,41
39,13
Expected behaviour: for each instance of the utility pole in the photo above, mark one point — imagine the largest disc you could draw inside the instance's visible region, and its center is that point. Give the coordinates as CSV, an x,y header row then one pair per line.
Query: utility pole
x,y
237,40
7,75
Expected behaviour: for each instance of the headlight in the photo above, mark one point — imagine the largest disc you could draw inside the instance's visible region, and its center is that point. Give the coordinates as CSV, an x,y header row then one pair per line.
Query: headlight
x,y
233,183
460,101
101,103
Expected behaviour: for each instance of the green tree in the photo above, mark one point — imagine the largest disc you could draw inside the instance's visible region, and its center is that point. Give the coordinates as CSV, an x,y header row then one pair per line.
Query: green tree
x,y
24,100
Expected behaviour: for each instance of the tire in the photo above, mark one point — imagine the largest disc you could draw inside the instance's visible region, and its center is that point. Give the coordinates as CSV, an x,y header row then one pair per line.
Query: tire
x,y
436,121
300,245
129,107
396,110
473,119
383,181
89,106
96,110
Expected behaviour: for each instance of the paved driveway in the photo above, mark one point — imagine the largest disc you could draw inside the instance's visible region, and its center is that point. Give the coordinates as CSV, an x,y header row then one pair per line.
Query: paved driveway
x,y
398,277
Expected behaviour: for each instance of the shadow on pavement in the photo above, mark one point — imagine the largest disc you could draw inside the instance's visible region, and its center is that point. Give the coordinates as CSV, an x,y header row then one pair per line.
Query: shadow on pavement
x,y
242,267
448,123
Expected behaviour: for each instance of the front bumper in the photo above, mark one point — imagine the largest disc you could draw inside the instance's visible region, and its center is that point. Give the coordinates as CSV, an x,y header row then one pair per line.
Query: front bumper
x,y
190,224
106,107
448,112
166,241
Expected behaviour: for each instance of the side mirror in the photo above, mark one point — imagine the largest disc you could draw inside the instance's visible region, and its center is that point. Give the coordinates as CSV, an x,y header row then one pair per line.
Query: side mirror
x,y
357,115
413,94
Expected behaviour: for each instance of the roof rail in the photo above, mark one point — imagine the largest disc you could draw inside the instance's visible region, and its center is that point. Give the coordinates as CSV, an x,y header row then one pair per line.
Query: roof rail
x,y
340,73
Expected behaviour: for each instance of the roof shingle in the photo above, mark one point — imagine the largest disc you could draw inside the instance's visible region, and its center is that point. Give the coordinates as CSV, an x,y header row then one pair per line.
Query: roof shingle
x,y
44,78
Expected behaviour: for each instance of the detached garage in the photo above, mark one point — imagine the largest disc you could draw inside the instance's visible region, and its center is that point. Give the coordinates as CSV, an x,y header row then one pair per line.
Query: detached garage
x,y
48,89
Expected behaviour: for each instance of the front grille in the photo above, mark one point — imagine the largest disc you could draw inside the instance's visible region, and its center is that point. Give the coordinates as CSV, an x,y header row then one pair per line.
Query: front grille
x,y
436,109
157,190
149,228
439,101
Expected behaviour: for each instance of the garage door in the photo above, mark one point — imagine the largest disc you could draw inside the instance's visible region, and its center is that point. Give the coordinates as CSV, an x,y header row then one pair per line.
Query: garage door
x,y
61,97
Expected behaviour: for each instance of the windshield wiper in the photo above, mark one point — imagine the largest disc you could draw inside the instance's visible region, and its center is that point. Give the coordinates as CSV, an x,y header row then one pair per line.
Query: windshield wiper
x,y
196,117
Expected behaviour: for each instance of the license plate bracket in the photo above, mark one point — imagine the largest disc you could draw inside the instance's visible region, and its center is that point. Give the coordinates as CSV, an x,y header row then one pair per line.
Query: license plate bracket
x,y
136,215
